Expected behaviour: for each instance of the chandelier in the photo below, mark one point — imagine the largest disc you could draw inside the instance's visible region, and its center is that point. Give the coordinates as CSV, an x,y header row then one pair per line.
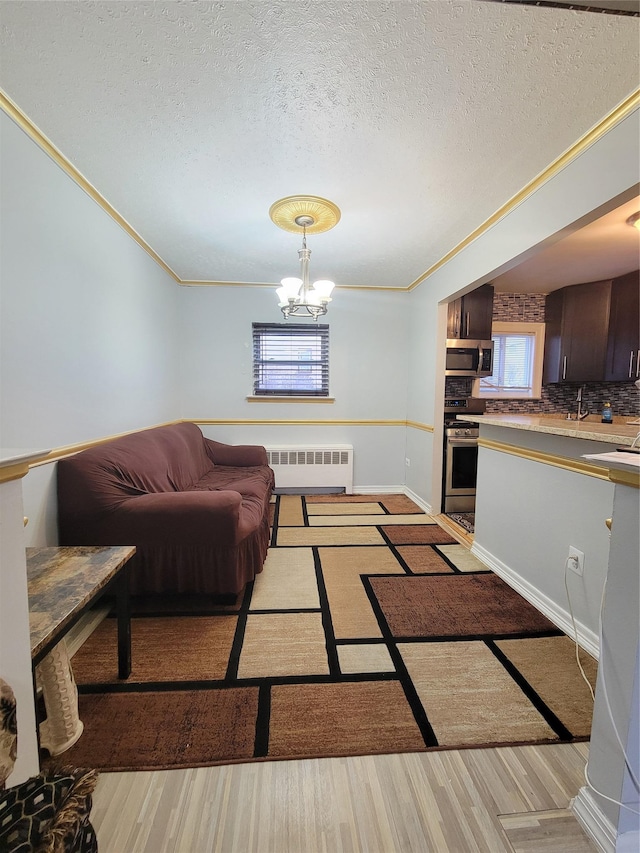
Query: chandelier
x,y
297,297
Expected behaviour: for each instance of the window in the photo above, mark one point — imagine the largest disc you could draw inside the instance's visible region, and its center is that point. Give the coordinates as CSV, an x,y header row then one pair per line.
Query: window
x,y
518,350
290,360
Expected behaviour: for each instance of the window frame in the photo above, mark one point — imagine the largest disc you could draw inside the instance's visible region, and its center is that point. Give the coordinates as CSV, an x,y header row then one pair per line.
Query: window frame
x,y
536,330
320,333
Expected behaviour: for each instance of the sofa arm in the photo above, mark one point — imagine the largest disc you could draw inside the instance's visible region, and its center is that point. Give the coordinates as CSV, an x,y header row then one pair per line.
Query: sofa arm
x,y
235,455
179,518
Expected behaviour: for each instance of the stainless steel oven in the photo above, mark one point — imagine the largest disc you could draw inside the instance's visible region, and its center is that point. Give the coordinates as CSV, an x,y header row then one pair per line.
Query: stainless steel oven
x,y
460,466
460,455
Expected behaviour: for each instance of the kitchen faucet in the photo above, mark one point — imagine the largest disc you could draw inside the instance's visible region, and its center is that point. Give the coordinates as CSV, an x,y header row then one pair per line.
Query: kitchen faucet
x,y
580,415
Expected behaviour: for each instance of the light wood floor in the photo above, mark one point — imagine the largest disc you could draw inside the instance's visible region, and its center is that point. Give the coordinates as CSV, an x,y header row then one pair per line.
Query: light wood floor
x,y
437,802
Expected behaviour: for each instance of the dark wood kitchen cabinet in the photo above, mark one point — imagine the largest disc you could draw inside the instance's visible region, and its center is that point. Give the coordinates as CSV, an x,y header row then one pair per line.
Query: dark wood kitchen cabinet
x,y
470,316
623,345
577,324
592,331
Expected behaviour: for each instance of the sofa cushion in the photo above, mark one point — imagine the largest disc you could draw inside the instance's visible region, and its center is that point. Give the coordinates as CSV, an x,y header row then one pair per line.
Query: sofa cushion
x,y
246,481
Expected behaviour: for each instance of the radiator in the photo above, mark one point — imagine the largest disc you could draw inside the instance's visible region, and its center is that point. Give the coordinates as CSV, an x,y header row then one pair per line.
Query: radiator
x,y
326,466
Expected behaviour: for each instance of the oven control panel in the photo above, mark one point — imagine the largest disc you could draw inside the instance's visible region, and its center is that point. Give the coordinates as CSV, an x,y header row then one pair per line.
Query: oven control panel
x,y
464,405
459,430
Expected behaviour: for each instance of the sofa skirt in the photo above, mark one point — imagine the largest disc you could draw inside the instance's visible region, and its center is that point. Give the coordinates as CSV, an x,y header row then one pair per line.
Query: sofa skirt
x,y
206,569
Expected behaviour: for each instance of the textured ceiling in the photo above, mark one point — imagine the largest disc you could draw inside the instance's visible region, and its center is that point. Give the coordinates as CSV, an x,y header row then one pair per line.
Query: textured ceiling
x,y
418,119
605,248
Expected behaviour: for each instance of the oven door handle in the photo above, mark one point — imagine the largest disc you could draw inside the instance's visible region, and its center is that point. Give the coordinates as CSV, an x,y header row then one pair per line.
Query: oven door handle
x,y
462,441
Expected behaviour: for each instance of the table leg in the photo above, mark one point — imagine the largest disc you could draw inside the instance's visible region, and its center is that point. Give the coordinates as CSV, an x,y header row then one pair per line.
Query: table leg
x,y
123,610
62,726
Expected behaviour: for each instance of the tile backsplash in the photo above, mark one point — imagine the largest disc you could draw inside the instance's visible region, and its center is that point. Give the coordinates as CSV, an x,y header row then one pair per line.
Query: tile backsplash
x,y
561,397
519,307
556,397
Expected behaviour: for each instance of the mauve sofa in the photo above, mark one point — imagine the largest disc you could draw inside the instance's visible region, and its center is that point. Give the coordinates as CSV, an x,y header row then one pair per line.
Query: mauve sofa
x,y
196,510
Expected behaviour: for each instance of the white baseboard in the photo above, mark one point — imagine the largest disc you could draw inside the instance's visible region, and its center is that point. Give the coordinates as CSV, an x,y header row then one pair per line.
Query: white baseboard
x,y
378,490
594,821
417,500
587,638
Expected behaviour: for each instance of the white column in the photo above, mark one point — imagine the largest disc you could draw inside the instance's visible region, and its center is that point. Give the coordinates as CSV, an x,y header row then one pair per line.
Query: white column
x,y
615,714
15,647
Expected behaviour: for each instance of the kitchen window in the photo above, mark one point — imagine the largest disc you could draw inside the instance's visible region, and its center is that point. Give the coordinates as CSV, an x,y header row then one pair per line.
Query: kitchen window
x,y
290,360
518,350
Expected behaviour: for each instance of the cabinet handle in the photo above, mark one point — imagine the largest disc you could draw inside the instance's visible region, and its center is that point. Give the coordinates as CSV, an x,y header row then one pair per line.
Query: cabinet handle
x,y
631,355
638,364
564,367
466,318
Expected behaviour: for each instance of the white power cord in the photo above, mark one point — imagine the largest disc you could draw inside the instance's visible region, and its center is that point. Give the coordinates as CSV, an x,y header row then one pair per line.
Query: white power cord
x,y
575,630
604,796
601,670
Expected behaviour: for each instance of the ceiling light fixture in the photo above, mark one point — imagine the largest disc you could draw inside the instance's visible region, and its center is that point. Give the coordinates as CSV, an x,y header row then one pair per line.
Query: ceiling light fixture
x,y
634,220
297,297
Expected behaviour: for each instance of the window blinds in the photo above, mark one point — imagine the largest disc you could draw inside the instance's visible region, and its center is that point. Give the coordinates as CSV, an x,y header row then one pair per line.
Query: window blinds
x,y
290,360
512,364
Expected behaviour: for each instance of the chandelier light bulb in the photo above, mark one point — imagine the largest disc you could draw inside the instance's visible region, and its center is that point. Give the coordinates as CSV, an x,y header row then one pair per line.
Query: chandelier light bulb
x,y
323,287
290,287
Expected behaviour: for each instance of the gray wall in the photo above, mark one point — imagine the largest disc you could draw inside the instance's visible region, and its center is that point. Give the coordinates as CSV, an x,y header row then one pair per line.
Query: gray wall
x,y
88,334
88,338
368,340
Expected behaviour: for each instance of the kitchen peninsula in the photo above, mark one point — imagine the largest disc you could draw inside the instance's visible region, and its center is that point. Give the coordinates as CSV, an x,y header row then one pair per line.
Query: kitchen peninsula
x,y
537,496
619,432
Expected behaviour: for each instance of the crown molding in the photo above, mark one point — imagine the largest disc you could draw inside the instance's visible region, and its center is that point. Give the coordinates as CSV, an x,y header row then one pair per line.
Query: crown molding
x,y
568,464
419,425
185,282
625,478
70,449
13,472
22,467
617,115
15,113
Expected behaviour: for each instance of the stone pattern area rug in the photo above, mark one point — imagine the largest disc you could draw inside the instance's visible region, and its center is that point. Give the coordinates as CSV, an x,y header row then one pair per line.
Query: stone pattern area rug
x,y
370,630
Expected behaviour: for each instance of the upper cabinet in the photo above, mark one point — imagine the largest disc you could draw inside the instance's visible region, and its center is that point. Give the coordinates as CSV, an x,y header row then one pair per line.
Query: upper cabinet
x,y
470,316
591,331
623,345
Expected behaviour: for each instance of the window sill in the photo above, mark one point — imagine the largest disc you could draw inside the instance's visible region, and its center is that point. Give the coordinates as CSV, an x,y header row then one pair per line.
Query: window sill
x,y
292,399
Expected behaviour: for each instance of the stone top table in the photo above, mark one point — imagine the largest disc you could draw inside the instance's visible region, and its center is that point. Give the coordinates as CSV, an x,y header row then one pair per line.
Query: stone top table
x,y
64,582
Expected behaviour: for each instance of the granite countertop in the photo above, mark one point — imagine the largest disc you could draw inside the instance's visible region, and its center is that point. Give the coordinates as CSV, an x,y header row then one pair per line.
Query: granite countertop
x,y
62,581
619,432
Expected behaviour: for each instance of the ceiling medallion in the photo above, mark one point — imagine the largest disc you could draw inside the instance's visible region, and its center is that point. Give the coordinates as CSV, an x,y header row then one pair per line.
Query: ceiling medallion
x,y
313,215
324,214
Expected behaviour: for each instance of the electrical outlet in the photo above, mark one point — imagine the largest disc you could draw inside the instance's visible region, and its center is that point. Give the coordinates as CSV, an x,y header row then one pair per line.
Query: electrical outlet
x,y
575,560
407,462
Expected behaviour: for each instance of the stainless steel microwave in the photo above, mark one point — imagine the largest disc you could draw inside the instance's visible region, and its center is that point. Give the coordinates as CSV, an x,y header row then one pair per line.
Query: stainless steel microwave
x,y
469,358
